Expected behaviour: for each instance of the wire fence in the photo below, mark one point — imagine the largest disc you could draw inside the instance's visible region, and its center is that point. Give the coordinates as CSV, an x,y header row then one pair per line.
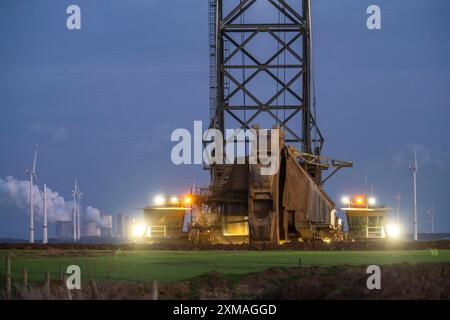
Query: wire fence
x,y
22,282
56,273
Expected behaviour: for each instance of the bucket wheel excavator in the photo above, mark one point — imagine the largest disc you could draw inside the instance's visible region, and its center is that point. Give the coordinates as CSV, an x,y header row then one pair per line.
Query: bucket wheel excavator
x,y
252,89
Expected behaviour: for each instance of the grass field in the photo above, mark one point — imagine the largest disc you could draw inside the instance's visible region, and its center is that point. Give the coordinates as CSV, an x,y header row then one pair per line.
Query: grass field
x,y
170,266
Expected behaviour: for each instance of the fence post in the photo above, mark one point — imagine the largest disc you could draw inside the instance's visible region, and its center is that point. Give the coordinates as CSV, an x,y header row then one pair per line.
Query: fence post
x,y
94,290
8,276
25,277
47,284
66,288
155,290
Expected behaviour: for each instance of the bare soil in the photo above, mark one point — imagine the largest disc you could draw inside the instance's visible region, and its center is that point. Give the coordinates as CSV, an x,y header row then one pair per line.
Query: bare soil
x,y
182,246
400,281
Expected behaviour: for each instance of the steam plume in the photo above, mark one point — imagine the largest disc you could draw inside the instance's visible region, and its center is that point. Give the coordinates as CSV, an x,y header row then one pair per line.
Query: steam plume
x,y
17,192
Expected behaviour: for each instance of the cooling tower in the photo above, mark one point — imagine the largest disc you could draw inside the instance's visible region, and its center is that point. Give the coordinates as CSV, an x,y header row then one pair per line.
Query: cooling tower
x,y
64,230
90,229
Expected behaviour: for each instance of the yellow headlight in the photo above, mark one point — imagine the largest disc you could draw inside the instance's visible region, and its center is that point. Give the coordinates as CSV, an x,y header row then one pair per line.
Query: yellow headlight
x,y
159,200
187,200
139,230
393,230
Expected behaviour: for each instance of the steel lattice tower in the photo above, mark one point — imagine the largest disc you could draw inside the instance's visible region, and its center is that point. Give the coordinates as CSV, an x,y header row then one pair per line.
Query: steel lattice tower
x,y
261,73
248,87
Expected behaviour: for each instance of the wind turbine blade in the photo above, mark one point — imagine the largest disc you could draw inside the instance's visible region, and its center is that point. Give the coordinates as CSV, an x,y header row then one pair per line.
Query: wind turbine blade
x,y
35,178
415,158
35,158
37,185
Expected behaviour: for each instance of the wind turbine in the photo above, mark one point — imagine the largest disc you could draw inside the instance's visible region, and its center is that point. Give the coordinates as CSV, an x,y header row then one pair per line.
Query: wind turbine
x,y
32,174
413,168
74,212
431,213
78,196
398,198
33,178
44,224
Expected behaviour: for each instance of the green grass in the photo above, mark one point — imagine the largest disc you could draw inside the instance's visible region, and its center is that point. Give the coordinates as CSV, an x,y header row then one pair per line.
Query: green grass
x,y
169,266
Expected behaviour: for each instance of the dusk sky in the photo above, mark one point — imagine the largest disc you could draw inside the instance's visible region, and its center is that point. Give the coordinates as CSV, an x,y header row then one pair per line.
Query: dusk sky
x,y
102,101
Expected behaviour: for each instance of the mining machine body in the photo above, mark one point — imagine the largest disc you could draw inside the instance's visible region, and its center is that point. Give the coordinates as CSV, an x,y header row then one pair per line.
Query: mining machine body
x,y
244,206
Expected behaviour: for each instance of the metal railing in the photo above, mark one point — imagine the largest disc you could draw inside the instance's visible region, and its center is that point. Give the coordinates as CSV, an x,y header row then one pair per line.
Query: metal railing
x,y
157,231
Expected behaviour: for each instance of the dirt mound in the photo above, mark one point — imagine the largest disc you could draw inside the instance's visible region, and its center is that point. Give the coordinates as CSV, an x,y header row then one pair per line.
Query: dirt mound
x,y
401,281
181,246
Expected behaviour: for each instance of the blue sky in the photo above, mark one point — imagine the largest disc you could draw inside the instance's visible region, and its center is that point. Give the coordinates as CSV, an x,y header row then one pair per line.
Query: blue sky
x,y
102,102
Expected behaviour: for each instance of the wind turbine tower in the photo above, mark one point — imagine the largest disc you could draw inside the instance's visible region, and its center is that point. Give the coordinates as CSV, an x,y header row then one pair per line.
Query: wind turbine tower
x,y
44,224
74,212
413,168
398,198
76,217
78,195
32,174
